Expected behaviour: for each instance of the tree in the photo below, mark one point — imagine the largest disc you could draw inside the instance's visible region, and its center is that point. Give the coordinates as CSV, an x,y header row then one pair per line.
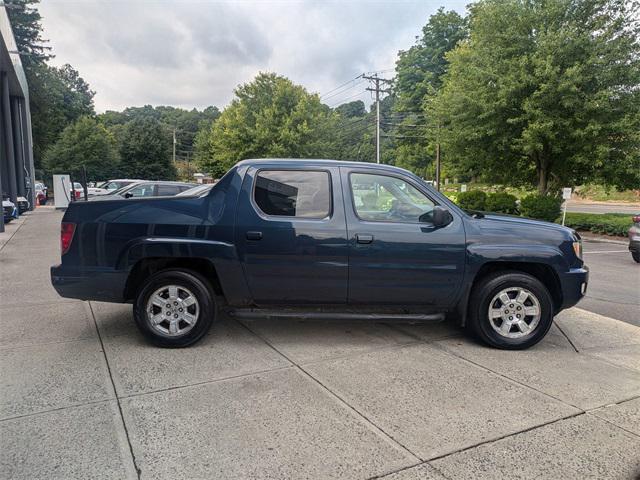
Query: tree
x,y
27,29
270,117
58,97
84,143
351,109
145,150
419,72
545,93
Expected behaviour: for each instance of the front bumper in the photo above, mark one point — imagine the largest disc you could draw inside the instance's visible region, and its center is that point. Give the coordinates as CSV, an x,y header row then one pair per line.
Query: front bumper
x,y
104,285
574,286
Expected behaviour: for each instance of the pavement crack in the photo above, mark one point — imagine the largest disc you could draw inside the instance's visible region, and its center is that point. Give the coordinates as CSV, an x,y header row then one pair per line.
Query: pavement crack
x,y
566,336
115,391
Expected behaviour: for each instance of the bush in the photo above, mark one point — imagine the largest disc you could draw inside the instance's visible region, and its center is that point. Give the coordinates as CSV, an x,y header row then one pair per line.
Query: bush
x,y
541,207
605,223
501,202
472,200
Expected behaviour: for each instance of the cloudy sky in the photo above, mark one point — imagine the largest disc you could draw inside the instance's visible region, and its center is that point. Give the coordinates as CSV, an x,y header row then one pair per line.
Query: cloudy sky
x,y
194,53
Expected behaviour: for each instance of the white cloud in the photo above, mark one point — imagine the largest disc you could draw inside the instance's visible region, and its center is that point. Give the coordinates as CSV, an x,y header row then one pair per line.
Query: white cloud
x,y
194,53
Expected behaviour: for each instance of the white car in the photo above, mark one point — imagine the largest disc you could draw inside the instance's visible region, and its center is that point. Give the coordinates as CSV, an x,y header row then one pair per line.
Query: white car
x,y
9,210
110,186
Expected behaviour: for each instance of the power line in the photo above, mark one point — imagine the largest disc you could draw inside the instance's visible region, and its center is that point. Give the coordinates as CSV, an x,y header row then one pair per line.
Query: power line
x,y
339,86
348,98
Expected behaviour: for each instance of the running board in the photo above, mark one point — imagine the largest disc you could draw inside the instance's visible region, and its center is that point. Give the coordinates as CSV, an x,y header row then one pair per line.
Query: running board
x,y
254,314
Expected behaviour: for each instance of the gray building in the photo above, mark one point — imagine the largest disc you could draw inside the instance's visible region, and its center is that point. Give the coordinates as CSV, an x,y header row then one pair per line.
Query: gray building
x,y
16,144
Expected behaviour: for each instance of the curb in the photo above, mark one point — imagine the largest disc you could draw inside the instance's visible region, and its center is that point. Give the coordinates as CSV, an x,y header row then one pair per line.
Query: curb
x,y
597,239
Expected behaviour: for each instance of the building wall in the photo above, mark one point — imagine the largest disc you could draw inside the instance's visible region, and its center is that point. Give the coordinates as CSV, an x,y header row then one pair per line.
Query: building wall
x,y
16,146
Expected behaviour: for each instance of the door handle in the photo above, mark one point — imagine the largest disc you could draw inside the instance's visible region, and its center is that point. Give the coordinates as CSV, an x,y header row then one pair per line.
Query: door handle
x,y
254,235
364,238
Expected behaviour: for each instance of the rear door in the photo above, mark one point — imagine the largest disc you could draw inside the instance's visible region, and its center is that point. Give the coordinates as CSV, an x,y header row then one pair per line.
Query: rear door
x,y
394,257
291,235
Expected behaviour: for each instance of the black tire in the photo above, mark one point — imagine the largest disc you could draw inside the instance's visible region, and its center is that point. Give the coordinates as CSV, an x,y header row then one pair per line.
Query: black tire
x,y
636,256
485,291
194,284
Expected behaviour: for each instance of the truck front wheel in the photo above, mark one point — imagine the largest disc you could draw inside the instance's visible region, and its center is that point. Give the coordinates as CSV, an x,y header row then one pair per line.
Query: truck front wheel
x,y
175,308
510,310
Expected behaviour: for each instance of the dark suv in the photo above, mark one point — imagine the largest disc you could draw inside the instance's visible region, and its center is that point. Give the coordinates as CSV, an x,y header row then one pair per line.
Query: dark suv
x,y
319,239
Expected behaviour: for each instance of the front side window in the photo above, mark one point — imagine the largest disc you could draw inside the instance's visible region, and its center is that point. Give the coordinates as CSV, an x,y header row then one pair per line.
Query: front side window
x,y
293,193
381,198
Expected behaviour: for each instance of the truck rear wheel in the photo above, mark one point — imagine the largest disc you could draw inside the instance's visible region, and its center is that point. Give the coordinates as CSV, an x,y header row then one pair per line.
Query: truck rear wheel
x,y
175,308
510,310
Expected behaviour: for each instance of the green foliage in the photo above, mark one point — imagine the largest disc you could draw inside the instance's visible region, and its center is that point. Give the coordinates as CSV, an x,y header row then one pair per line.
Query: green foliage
x,y
607,223
544,93
351,109
472,200
541,207
57,97
84,143
145,150
501,202
27,30
419,72
270,117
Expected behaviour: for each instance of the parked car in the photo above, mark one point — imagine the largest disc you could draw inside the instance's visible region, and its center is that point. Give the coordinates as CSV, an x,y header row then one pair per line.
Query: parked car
x,y
78,191
295,237
9,210
23,205
634,238
147,189
42,187
111,186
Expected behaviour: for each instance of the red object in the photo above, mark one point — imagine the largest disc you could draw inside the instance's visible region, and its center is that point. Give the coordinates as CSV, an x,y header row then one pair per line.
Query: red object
x,y
66,236
636,218
77,194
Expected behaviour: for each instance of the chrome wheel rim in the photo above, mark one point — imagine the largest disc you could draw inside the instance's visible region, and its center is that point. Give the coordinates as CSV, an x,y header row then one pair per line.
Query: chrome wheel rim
x,y
514,312
172,310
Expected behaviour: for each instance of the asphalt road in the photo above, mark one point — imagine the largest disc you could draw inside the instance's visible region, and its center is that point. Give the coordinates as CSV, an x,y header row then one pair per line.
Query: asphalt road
x,y
602,208
614,282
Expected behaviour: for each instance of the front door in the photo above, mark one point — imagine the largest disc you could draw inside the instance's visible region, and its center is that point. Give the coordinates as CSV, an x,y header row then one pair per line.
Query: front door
x,y
396,257
291,235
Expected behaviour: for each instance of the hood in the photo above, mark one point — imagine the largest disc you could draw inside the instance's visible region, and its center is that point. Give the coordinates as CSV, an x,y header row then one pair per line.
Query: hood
x,y
521,222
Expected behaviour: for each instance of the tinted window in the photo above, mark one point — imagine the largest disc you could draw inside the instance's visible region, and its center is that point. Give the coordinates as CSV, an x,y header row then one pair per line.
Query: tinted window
x,y
387,199
289,193
168,190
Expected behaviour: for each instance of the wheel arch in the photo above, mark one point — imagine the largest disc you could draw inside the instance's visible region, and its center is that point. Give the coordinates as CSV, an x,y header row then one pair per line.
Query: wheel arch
x,y
543,272
148,266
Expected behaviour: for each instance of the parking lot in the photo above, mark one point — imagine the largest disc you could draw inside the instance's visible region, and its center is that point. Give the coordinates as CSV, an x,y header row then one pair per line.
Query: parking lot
x,y
84,396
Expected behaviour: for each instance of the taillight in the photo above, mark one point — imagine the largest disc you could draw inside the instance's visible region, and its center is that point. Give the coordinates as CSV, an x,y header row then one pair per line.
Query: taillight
x,y
66,236
636,219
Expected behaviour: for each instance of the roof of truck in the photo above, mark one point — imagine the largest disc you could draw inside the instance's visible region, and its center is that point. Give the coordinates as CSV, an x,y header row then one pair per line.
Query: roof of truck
x,y
320,161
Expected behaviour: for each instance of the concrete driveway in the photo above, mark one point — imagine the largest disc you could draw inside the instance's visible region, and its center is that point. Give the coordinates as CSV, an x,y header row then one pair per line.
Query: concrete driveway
x,y
84,396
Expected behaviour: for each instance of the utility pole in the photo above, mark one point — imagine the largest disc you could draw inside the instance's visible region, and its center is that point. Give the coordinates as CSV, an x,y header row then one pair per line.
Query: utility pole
x,y
438,159
376,82
174,145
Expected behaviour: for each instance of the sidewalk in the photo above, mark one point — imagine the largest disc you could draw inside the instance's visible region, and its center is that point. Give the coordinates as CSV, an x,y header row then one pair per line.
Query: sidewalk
x,y
82,395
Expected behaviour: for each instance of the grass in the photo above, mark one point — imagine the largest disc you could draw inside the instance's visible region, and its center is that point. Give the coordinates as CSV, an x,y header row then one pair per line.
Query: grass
x,y
599,193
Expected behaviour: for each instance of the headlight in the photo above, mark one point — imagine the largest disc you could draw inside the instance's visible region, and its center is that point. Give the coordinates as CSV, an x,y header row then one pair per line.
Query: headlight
x,y
577,248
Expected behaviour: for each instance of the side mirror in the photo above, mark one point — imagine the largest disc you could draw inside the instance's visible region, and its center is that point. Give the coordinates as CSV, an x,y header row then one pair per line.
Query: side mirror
x,y
128,195
439,217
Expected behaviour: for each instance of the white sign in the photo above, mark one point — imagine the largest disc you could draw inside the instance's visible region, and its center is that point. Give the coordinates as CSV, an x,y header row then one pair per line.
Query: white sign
x,y
566,193
463,188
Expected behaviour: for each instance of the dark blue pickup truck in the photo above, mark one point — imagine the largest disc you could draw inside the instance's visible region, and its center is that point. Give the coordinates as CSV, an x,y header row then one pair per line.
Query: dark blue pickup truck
x,y
319,239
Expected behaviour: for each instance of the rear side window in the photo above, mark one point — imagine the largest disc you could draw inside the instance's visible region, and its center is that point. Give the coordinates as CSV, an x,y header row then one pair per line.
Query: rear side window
x,y
293,193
